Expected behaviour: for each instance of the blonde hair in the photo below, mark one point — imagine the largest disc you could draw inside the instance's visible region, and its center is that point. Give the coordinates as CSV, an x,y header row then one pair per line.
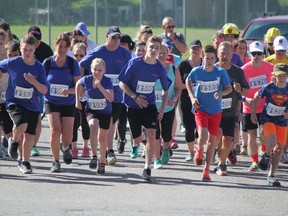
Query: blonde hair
x,y
164,45
79,46
98,61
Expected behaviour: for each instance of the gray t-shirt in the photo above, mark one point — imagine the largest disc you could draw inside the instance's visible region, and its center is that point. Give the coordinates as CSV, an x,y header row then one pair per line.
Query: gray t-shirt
x,y
179,36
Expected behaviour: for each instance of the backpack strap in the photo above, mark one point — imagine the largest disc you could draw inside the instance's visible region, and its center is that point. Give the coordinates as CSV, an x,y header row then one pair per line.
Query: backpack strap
x,y
47,65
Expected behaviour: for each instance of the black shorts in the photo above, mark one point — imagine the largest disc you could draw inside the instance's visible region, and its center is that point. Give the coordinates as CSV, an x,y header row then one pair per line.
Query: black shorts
x,y
20,115
5,121
65,111
166,126
228,125
116,111
137,118
104,120
247,123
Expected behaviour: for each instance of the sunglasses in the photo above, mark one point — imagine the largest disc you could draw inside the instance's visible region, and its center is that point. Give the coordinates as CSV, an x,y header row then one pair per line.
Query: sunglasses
x,y
256,53
114,37
280,50
76,55
170,27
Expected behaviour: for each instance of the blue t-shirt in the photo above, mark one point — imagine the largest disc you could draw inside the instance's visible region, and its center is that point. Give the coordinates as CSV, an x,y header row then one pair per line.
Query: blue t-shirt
x,y
96,101
276,104
61,79
140,78
19,91
115,62
206,85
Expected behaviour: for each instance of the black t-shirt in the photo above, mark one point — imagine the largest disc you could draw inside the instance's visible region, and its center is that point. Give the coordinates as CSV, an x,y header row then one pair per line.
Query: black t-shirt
x,y
43,51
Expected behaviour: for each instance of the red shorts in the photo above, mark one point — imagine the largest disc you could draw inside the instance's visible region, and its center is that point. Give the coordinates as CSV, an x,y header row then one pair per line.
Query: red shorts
x,y
279,131
210,121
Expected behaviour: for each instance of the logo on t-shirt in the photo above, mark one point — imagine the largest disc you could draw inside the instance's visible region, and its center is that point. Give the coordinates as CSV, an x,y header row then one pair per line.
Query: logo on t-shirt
x,y
279,99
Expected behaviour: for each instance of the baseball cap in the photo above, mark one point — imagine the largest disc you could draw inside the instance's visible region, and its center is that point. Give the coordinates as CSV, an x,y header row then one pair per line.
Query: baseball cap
x,y
280,43
81,26
195,43
36,32
280,68
256,46
113,30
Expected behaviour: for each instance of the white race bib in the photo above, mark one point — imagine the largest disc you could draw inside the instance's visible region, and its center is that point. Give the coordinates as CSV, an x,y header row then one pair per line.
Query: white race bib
x,y
114,79
145,87
23,93
209,87
3,96
97,104
158,96
226,103
257,82
273,110
55,89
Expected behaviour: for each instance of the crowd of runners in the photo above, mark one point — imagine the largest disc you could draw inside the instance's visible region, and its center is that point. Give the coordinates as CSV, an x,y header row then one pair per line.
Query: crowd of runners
x,y
221,90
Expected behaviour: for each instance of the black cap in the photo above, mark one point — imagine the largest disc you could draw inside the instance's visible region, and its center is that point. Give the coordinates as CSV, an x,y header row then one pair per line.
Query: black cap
x,y
127,39
195,43
113,30
36,32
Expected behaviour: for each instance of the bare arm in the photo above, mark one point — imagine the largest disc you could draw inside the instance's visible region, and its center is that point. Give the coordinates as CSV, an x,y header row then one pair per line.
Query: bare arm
x,y
254,106
226,90
177,88
78,90
194,101
39,86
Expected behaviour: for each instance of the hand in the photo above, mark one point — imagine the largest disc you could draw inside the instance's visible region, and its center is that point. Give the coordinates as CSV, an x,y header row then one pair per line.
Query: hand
x,y
254,119
140,100
218,95
97,83
171,36
195,103
286,115
30,78
160,114
64,92
248,101
237,87
170,103
78,105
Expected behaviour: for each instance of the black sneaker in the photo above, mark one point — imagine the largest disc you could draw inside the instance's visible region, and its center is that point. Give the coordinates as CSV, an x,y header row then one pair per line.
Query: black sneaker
x,y
101,169
12,148
221,170
26,167
67,157
121,146
93,162
264,162
147,175
55,167
111,158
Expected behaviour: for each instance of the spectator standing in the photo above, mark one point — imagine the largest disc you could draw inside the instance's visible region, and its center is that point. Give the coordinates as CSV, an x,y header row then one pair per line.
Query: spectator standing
x,y
81,26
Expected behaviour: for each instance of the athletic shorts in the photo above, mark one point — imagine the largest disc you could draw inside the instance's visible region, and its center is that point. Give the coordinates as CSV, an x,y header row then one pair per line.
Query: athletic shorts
x,y
209,121
20,115
137,118
247,123
228,125
65,111
279,131
104,120
116,111
5,121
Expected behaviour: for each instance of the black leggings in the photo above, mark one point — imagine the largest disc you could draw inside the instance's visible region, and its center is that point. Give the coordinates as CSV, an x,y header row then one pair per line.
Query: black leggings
x,y
80,119
166,126
122,121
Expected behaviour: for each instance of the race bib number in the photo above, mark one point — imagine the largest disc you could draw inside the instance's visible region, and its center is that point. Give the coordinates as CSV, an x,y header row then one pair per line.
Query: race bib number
x,y
158,96
226,103
55,89
23,93
3,96
209,87
97,104
145,87
257,82
114,79
273,110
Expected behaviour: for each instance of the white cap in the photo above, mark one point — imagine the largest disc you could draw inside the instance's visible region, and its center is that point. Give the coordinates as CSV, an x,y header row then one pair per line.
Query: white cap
x,y
256,46
280,43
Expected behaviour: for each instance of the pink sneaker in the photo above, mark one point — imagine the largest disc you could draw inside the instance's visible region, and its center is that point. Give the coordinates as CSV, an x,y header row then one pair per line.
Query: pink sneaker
x,y
174,144
74,153
85,152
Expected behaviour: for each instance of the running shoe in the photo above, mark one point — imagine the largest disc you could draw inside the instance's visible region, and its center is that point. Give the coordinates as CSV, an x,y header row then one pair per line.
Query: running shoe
x,y
55,166
243,150
26,167
232,157
100,169
190,156
174,144
147,175
143,155
206,175
93,162
165,157
35,151
12,148
74,153
221,170
272,181
134,152
67,157
253,168
198,159
158,164
264,161
85,152
111,157
121,146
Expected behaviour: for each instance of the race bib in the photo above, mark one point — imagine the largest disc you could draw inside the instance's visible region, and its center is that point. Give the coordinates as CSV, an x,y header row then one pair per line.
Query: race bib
x,y
145,87
23,93
226,103
209,87
114,79
158,96
257,82
273,110
3,96
97,104
55,89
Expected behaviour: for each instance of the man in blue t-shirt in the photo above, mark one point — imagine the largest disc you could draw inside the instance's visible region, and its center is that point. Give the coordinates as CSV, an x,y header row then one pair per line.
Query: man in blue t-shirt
x,y
115,57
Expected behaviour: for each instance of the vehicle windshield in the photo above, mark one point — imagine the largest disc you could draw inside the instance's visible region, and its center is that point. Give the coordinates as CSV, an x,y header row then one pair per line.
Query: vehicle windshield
x,y
258,29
